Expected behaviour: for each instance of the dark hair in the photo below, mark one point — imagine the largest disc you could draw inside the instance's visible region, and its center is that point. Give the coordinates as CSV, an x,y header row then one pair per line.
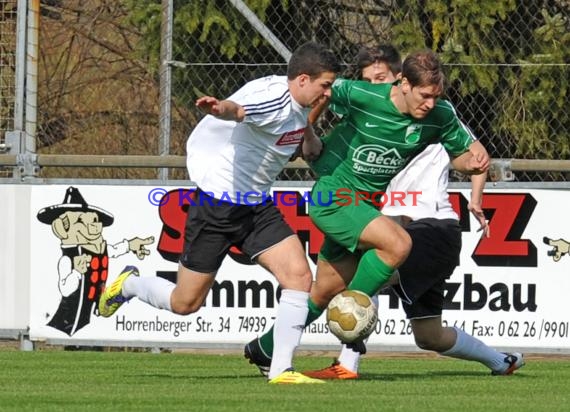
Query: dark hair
x,y
383,53
313,59
423,68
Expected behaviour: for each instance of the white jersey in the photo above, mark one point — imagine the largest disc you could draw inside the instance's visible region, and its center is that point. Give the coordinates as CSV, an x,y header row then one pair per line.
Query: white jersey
x,y
236,159
421,175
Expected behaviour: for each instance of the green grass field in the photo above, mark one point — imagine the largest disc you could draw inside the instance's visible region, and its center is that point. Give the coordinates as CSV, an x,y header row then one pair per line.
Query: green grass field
x,y
77,381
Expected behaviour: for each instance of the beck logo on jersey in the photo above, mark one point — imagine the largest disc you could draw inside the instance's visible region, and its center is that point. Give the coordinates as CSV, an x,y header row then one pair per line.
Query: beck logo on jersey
x,y
289,138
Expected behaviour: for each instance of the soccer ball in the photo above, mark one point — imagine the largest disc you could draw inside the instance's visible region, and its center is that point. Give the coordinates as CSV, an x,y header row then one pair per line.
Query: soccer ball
x,y
351,316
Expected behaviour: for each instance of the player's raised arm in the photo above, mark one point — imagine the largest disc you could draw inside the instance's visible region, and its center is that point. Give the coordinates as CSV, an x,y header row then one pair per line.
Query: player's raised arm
x,y
473,162
222,109
312,145
318,109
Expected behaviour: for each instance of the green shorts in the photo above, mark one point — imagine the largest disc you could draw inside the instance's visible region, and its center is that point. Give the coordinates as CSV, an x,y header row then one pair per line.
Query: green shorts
x,y
340,215
333,252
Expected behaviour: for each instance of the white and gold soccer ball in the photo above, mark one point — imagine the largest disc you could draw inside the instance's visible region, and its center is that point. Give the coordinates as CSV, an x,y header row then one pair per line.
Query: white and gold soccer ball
x,y
351,316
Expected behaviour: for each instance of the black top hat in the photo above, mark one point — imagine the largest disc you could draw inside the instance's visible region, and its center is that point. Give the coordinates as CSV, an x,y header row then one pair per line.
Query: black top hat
x,y
73,202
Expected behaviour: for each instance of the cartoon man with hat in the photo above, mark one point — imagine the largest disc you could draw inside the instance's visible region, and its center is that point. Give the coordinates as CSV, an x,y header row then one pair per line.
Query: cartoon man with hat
x,y
83,267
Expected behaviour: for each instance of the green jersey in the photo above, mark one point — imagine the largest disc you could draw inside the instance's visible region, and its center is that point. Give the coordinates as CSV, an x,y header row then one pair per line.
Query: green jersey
x,y
374,141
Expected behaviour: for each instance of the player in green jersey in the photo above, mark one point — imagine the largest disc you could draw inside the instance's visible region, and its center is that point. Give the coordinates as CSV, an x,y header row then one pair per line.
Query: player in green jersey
x,y
361,156
436,242
384,127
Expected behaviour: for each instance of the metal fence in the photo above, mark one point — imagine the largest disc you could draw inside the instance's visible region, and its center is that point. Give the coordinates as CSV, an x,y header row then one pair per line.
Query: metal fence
x,y
7,65
120,78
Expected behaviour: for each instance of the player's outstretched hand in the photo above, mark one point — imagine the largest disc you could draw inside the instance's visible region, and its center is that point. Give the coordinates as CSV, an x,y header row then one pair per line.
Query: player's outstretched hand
x,y
210,105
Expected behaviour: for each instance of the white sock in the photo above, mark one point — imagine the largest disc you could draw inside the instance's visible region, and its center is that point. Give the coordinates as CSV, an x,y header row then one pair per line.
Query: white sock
x,y
288,328
470,348
153,290
351,359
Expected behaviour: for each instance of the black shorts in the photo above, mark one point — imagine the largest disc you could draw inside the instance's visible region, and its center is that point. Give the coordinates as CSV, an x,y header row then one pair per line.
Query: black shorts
x,y
436,245
213,227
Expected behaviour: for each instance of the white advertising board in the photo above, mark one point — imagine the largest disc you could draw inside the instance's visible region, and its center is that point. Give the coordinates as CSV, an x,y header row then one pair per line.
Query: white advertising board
x,y
14,260
510,290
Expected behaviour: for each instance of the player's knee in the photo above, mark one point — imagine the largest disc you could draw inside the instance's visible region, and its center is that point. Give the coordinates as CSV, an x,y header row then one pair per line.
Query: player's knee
x,y
300,279
322,296
401,248
186,307
297,275
427,342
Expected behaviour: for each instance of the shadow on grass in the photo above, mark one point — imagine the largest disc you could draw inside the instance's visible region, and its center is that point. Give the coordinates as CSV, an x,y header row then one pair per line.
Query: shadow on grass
x,y
387,377
420,375
188,377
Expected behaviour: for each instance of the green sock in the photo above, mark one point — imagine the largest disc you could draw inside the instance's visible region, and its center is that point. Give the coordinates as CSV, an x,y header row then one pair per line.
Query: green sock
x,y
314,313
266,340
371,274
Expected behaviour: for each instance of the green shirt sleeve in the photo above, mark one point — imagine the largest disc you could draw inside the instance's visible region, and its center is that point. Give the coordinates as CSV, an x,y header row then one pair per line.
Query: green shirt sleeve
x,y
455,137
340,92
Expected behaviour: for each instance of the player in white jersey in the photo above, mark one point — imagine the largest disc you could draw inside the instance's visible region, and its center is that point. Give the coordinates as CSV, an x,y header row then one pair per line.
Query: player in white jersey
x,y
234,155
230,158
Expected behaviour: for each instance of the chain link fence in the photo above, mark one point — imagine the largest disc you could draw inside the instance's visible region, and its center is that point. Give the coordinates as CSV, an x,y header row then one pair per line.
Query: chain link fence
x,y
8,19
7,65
507,64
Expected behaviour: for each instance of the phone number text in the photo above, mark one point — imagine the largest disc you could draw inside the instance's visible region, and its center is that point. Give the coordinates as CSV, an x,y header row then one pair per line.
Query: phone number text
x,y
543,329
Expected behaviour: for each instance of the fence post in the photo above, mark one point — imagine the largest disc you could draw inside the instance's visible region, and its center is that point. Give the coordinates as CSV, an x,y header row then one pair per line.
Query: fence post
x,y
20,66
32,48
23,139
165,82
15,141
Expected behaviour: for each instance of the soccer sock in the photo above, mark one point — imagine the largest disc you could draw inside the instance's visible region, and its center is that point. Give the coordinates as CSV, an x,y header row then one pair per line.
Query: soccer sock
x,y
470,348
266,340
371,274
349,358
153,290
288,328
314,312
